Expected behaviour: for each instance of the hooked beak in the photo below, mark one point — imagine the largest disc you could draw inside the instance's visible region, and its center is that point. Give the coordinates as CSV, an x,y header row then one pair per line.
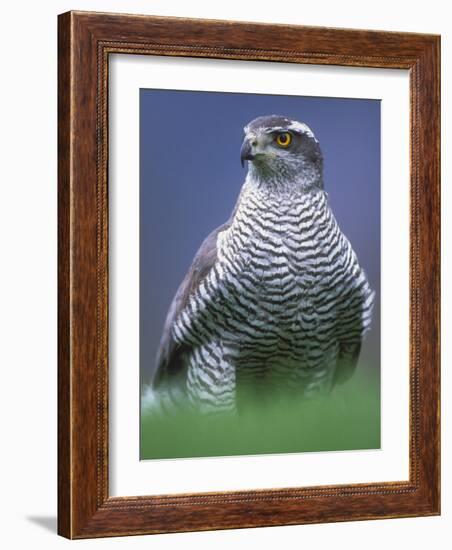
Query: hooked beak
x,y
245,152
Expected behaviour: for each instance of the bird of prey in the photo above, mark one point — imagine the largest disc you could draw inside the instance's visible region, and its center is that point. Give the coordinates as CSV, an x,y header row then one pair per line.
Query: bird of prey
x,y
275,303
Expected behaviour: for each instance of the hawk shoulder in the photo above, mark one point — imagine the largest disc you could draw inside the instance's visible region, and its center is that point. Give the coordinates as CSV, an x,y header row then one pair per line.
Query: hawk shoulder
x,y
171,354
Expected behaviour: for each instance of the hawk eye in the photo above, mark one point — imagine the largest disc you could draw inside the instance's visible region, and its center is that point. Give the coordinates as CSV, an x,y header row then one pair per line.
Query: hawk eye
x,y
284,139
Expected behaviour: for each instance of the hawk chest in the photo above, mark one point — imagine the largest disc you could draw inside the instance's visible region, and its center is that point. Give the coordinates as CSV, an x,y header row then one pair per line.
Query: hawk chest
x,y
273,258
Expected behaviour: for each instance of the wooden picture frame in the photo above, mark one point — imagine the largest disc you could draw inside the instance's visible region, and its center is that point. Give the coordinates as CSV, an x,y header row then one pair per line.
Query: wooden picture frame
x,y
85,42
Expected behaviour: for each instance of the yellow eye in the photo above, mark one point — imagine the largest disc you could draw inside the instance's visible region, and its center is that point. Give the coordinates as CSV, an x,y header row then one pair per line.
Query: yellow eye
x,y
284,139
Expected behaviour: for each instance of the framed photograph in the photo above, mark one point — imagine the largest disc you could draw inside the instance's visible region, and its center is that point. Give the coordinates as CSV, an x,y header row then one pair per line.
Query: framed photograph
x,y
248,275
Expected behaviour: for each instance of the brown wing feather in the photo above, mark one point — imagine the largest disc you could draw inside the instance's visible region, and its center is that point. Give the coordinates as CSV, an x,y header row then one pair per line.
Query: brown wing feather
x,y
171,355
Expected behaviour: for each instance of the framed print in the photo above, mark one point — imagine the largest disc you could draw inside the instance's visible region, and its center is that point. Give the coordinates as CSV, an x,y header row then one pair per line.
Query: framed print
x,y
248,275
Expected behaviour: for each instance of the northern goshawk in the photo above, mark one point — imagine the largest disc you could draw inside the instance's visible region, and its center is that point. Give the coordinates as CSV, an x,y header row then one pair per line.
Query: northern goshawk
x,y
275,303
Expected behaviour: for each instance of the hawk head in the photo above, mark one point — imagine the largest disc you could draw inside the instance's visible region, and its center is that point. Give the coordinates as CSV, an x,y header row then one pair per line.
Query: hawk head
x,y
282,153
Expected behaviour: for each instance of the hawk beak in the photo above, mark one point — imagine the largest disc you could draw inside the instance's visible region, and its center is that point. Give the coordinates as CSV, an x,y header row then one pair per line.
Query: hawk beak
x,y
245,152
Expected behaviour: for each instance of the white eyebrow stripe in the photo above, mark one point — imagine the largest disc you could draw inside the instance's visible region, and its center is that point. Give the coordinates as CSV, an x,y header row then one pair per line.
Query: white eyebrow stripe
x,y
293,125
300,127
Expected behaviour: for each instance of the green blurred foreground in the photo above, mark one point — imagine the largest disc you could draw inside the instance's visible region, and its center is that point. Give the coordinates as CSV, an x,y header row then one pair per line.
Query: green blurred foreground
x,y
347,419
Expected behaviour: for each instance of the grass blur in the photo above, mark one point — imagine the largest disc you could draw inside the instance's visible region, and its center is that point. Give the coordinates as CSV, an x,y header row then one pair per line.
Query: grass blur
x,y
348,419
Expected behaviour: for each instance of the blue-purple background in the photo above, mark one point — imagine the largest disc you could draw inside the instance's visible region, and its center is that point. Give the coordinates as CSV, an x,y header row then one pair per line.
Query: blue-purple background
x,y
190,177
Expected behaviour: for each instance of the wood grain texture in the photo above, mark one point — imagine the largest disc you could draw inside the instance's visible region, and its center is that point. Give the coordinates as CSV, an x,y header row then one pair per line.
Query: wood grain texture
x,y
85,42
64,295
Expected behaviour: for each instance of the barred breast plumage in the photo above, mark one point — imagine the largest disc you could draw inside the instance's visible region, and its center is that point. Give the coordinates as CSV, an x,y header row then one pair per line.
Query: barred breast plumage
x,y
281,307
